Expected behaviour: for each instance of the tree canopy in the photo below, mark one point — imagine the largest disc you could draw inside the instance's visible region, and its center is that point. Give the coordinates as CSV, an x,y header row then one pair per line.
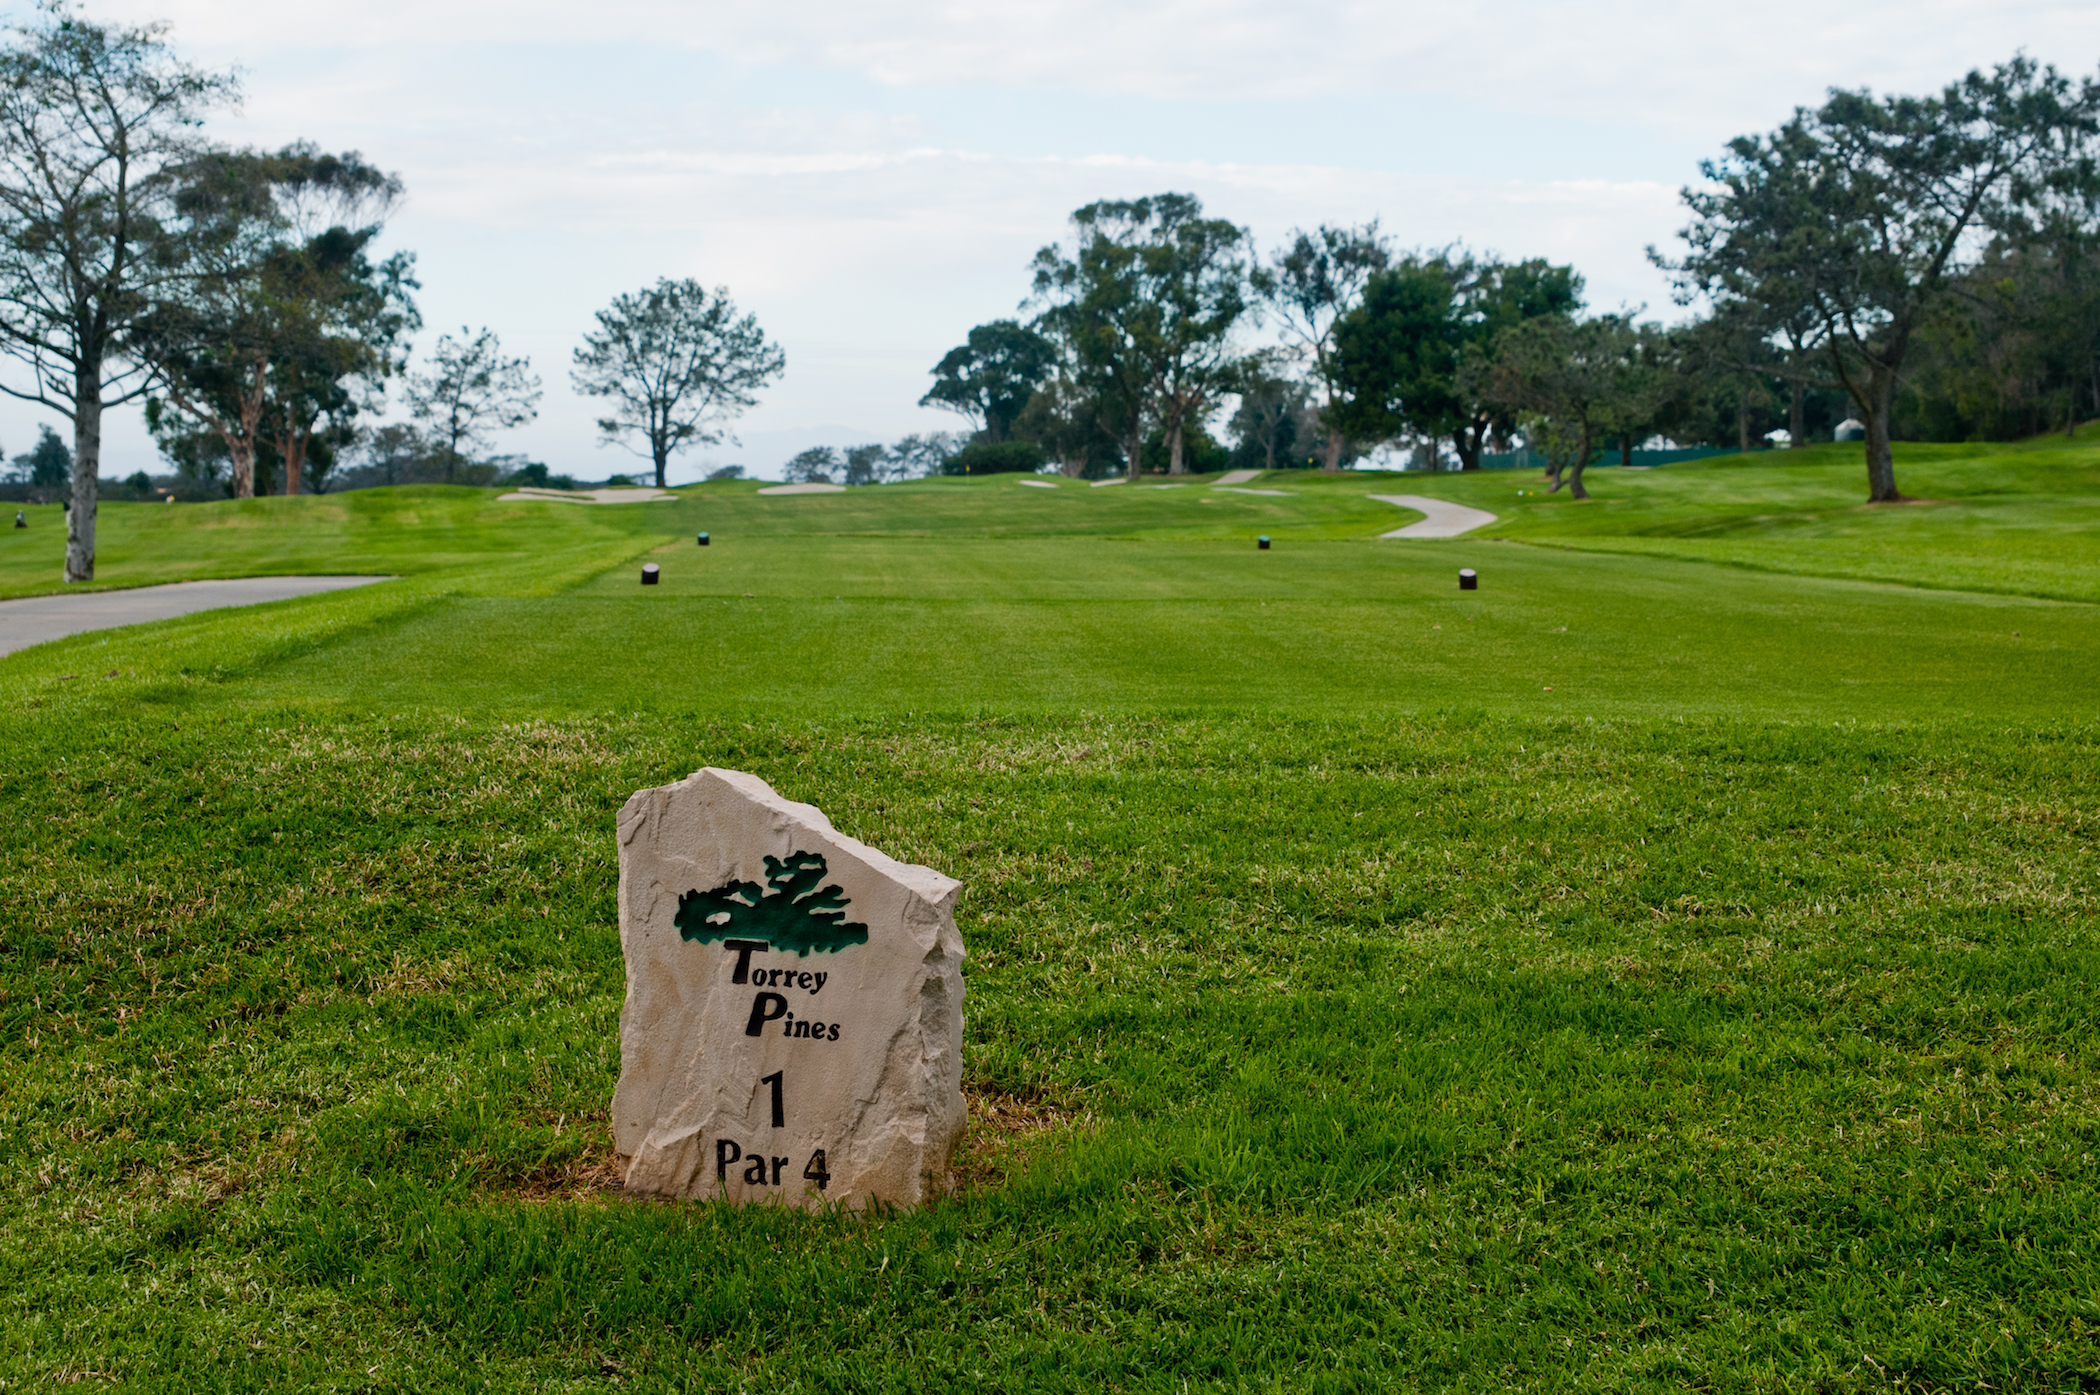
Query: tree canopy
x,y
1863,212
990,377
677,362
469,390
279,315
1145,301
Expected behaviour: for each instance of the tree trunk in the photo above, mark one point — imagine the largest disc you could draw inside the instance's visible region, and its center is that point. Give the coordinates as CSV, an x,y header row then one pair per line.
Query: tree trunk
x,y
1797,417
1133,448
1742,416
242,455
1175,465
661,453
1881,461
1332,450
294,462
1575,489
1466,442
87,470
1625,448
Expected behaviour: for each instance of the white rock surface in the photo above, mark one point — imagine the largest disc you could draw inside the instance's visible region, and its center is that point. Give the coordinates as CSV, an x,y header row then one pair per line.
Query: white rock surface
x,y
793,1027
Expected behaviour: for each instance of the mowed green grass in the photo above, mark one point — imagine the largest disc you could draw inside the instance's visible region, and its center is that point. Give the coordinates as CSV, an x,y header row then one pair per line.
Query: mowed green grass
x,y
1346,1010
365,533
2021,518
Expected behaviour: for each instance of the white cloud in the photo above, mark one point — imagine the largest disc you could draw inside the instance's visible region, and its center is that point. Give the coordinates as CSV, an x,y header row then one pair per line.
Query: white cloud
x,y
1656,61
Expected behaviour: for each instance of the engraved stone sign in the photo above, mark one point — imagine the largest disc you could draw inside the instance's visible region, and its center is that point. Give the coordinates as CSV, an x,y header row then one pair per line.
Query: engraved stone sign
x,y
793,1027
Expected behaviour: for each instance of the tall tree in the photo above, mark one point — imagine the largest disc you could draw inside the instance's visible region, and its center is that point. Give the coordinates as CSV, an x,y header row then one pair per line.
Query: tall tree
x,y
91,118
1411,357
1205,289
345,318
990,377
1145,302
280,309
678,363
1102,311
1396,355
469,390
1867,209
1314,282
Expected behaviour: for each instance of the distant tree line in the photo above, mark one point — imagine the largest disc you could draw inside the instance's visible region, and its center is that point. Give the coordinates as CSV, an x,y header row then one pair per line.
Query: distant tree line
x,y
1926,267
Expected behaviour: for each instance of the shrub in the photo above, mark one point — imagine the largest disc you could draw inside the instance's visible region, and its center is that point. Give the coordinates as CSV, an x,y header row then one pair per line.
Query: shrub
x,y
1004,458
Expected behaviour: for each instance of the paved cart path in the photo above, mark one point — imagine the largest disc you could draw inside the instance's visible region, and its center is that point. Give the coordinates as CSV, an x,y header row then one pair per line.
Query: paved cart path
x,y
1444,519
37,619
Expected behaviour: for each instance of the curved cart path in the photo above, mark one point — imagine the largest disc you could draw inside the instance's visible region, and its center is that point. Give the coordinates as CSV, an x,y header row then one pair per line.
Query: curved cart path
x,y
1444,519
37,619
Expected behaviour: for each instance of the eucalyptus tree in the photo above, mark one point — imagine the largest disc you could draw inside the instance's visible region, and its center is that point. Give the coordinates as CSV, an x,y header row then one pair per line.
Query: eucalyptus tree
x,y
1145,302
1205,287
990,377
278,310
1866,211
1102,310
1313,283
469,390
92,118
344,315
678,362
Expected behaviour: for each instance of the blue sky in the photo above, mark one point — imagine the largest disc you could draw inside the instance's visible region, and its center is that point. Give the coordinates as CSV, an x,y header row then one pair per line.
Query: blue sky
x,y
871,178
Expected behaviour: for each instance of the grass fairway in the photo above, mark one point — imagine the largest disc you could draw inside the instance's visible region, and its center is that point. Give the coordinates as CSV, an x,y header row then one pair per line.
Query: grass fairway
x,y
1347,1010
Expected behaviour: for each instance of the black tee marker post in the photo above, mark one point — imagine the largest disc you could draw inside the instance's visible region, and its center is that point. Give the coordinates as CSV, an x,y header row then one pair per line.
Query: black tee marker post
x,y
1468,579
650,572
702,540
1262,542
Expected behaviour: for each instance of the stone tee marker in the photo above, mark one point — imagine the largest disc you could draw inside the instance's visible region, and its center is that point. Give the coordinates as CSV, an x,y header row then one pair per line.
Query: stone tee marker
x,y
793,1028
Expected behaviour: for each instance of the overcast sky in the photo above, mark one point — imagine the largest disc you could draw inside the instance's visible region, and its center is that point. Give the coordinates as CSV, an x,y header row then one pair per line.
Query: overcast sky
x,y
871,177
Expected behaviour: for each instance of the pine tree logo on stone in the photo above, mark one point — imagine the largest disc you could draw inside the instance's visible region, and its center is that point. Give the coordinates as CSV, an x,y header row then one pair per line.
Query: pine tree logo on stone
x,y
794,911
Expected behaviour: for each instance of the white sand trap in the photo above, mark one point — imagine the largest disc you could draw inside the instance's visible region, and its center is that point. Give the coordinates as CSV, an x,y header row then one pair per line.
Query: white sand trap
x,y
38,619
1231,477
1103,484
1166,486
1272,493
1039,484
804,489
1442,518
641,495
